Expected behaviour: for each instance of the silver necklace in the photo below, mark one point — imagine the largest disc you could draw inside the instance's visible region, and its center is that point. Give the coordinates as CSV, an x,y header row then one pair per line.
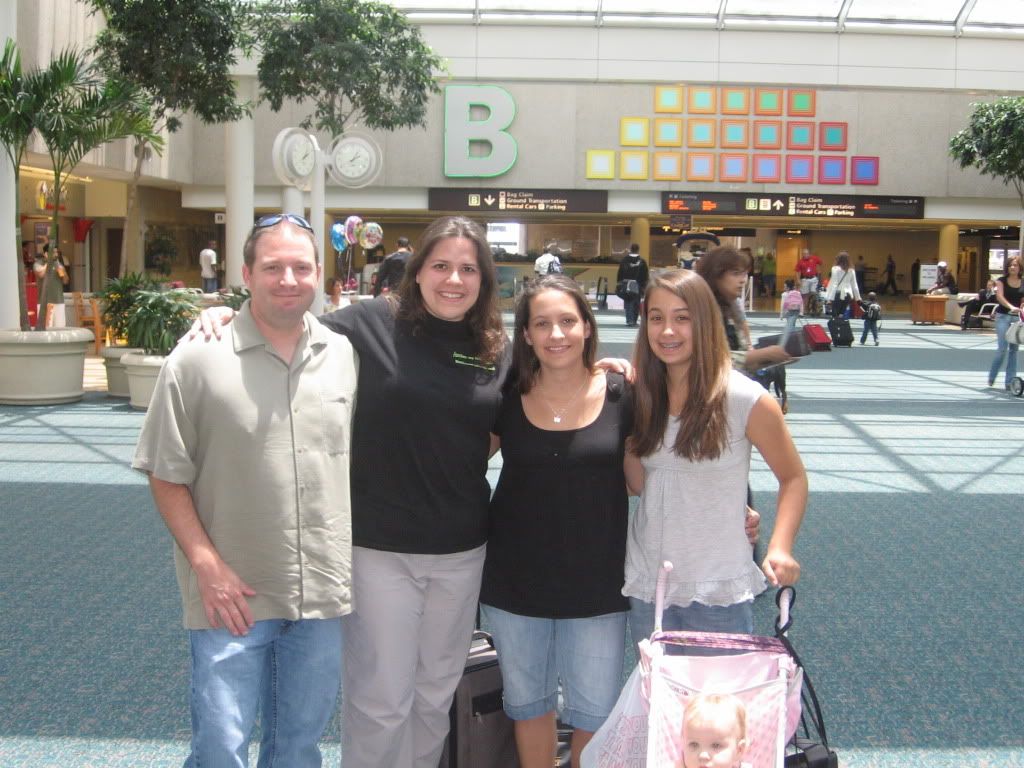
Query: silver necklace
x,y
559,413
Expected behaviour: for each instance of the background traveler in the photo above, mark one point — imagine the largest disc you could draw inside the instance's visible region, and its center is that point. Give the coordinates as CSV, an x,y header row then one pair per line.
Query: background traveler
x,y
631,282
392,269
1009,293
842,285
208,267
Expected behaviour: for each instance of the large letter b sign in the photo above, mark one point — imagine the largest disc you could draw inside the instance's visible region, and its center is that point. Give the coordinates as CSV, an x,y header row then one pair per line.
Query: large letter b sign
x,y
462,131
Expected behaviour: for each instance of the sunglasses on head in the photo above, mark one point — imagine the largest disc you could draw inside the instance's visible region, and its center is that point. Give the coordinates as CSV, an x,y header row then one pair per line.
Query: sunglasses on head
x,y
276,218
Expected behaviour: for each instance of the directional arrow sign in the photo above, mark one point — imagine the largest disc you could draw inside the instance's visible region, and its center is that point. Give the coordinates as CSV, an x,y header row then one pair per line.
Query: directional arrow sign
x,y
489,200
777,205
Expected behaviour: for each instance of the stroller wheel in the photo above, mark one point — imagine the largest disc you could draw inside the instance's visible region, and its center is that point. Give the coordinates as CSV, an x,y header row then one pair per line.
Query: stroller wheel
x,y
1017,386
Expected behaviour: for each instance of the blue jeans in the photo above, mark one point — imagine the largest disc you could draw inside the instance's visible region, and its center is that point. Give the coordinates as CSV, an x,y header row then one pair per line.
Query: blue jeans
x,y
870,326
1003,349
535,653
695,617
292,669
632,306
791,315
209,285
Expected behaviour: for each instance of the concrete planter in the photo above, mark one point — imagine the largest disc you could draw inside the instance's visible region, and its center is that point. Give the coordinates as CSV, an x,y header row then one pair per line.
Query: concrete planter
x,y
117,377
43,367
142,370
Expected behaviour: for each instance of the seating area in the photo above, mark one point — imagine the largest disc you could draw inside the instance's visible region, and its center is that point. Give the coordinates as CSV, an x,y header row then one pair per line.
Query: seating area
x,y
87,314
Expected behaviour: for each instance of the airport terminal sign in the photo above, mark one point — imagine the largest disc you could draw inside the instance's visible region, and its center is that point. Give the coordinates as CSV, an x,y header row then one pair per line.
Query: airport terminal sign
x,y
788,204
474,200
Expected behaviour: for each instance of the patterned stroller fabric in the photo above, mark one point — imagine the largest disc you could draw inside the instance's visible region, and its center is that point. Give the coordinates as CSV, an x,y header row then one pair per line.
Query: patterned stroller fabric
x,y
753,679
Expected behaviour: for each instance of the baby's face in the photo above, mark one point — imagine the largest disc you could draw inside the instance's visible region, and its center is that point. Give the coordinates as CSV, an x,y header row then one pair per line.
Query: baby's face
x,y
712,744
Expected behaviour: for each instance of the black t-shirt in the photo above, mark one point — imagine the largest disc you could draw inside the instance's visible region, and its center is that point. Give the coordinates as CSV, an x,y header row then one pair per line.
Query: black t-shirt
x,y
391,271
421,432
557,542
1011,294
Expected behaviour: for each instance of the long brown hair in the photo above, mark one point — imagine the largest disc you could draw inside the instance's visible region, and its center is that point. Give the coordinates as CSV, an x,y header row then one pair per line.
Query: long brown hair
x,y
524,359
713,265
703,424
484,317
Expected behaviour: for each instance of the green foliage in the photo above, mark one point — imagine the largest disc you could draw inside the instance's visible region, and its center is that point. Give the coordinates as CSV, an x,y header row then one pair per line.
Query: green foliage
x,y
356,60
118,295
235,298
993,141
157,319
178,53
161,248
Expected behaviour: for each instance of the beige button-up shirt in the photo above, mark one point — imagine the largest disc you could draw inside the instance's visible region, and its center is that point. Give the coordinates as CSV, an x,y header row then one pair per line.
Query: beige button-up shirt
x,y
263,447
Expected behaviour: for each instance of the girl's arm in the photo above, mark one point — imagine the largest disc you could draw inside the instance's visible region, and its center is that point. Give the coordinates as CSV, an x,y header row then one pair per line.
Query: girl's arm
x,y
766,429
635,474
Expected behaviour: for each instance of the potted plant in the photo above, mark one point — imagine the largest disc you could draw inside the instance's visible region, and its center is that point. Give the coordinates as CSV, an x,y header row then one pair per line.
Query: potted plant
x,y
155,322
117,297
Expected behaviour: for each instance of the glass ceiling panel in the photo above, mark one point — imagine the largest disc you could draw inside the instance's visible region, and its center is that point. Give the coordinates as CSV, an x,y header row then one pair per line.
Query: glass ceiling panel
x,y
810,9
1009,12
553,6
434,5
674,7
905,10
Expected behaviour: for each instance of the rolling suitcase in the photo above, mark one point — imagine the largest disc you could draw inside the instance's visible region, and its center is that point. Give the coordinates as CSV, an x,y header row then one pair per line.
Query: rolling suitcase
x,y
840,331
481,734
817,337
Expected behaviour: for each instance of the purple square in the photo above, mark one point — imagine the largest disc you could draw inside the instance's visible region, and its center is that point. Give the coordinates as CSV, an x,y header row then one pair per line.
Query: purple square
x,y
863,170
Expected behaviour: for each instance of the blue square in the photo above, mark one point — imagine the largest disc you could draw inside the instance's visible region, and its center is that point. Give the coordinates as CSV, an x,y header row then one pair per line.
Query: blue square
x,y
701,166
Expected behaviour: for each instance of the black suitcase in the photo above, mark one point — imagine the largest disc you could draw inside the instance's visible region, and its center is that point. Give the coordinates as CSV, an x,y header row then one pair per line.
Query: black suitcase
x,y
840,331
481,734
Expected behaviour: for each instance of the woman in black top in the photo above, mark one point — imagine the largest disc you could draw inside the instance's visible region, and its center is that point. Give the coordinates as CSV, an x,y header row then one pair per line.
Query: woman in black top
x,y
1009,293
552,584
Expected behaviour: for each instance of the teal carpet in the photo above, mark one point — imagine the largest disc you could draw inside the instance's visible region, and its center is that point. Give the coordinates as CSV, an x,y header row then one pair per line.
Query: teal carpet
x,y
909,614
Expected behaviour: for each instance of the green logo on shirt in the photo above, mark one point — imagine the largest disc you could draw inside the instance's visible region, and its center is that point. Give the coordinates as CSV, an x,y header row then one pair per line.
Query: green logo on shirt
x,y
473,362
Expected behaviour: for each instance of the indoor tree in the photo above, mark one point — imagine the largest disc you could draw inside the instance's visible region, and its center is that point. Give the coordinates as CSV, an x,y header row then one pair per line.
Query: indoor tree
x,y
357,61
993,142
179,55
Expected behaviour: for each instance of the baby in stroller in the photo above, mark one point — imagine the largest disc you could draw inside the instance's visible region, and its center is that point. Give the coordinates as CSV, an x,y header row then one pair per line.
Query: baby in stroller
x,y
714,732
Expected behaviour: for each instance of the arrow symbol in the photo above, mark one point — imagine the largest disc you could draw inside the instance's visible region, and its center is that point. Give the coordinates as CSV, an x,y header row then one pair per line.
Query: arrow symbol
x,y
777,205
489,200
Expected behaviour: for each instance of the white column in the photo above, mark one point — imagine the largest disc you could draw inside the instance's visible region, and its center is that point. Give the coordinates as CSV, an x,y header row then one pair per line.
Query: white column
x,y
317,214
10,243
292,202
239,184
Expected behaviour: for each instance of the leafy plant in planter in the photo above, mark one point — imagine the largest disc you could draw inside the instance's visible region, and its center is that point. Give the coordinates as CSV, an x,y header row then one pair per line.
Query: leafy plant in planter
x,y
118,296
235,298
157,319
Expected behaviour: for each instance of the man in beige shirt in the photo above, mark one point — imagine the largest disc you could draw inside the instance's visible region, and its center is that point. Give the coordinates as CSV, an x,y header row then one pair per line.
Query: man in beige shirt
x,y
246,444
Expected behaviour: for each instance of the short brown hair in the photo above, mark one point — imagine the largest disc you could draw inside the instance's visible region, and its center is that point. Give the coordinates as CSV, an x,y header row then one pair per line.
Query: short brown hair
x,y
257,232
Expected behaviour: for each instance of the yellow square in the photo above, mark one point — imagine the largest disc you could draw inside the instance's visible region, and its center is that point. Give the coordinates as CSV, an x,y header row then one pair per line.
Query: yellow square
x,y
600,164
668,166
634,131
633,165
668,99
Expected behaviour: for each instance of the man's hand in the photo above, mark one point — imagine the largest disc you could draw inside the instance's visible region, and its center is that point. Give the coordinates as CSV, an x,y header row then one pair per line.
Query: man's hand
x,y
209,323
617,365
780,568
752,525
223,594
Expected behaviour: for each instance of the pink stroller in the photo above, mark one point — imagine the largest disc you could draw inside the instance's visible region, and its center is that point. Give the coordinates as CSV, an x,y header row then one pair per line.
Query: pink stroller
x,y
743,690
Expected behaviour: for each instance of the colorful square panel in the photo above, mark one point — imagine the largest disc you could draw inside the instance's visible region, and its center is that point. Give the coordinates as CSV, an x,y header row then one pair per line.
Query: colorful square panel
x,y
700,166
700,133
633,165
668,166
701,100
767,134
767,101
600,164
734,134
634,131
732,167
767,169
668,132
668,98
832,137
735,101
799,169
800,103
799,135
831,169
863,170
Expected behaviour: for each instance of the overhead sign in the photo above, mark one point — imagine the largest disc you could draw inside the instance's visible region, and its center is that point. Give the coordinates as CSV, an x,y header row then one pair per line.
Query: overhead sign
x,y
786,204
477,200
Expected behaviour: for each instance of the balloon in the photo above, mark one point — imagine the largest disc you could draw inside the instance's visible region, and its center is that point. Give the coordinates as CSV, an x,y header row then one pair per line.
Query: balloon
x,y
338,236
371,235
353,226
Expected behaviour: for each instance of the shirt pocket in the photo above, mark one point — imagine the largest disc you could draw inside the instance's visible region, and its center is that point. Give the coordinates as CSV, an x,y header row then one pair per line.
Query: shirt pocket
x,y
336,420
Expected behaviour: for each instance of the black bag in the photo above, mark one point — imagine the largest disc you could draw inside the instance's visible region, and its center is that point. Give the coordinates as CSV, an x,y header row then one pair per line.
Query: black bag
x,y
840,331
554,266
481,734
627,289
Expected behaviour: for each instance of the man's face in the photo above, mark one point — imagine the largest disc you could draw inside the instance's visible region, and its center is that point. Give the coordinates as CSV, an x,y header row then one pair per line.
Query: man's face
x,y
284,276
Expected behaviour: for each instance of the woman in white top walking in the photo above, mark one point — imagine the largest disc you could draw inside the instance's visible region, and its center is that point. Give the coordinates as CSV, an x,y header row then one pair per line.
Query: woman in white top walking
x,y
842,285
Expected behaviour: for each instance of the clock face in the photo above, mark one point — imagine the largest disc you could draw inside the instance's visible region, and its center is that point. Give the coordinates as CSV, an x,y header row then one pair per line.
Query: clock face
x,y
300,156
294,157
355,160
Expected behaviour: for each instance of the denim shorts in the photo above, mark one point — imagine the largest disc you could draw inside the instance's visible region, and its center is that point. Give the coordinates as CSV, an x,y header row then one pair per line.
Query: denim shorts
x,y
695,617
535,654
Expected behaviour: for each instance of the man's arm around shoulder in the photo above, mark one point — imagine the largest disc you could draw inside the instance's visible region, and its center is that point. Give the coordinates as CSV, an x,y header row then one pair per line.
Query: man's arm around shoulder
x,y
222,591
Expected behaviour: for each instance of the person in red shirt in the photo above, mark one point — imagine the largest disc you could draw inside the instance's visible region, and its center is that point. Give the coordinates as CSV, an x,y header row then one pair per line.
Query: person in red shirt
x,y
807,272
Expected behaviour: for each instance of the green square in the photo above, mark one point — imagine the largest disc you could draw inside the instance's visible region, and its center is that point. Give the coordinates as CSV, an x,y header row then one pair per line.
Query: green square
x,y
702,98
668,132
669,98
767,134
833,136
801,135
769,101
734,134
735,100
701,133
801,102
